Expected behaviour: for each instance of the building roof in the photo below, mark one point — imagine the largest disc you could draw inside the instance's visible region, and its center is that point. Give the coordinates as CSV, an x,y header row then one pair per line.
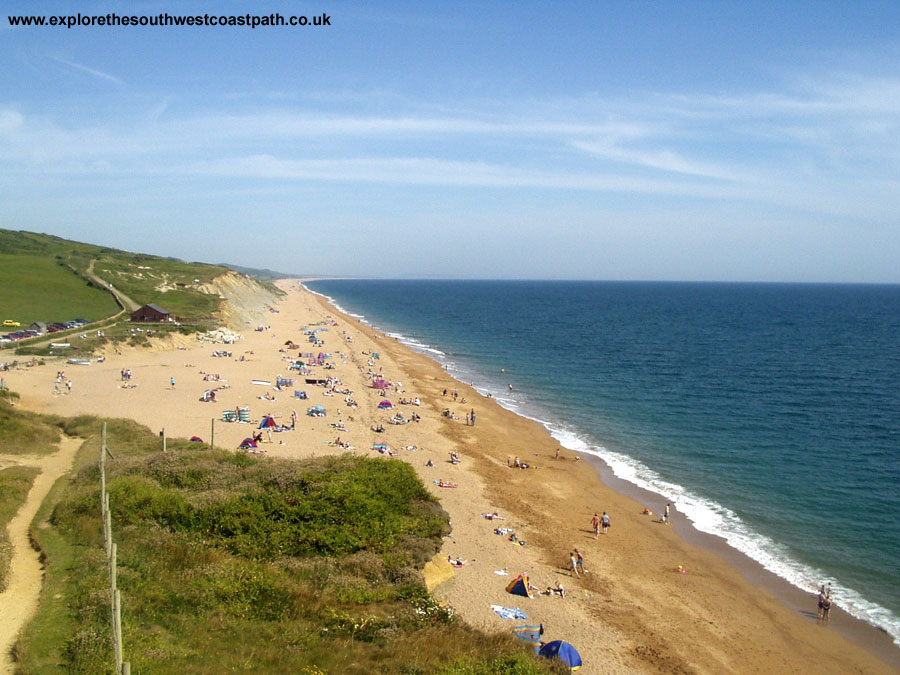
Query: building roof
x,y
156,308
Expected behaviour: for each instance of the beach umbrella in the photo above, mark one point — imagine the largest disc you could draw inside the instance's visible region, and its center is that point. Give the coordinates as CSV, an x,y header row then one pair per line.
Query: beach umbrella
x,y
562,651
385,404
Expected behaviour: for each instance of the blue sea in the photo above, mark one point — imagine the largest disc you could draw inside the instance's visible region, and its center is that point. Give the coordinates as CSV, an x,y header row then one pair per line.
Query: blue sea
x,y
769,414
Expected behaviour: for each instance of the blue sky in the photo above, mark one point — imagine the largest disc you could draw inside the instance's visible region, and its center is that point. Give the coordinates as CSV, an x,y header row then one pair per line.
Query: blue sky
x,y
596,140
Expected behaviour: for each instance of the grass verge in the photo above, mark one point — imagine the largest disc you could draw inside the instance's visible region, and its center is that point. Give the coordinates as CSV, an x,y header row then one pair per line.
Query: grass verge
x,y
15,482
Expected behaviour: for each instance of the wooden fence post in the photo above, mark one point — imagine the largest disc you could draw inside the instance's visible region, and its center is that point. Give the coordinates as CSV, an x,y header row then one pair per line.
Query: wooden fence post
x,y
112,555
109,544
212,433
118,632
164,439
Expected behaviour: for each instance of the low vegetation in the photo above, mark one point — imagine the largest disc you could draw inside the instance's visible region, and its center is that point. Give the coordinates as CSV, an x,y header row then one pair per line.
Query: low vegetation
x,y
23,432
15,482
171,284
126,333
230,561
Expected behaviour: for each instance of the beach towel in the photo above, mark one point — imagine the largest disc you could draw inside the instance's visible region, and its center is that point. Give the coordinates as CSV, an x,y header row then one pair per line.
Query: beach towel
x,y
510,612
502,573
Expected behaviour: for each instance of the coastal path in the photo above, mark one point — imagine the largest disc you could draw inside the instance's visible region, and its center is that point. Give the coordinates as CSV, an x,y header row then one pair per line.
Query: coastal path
x,y
20,599
123,299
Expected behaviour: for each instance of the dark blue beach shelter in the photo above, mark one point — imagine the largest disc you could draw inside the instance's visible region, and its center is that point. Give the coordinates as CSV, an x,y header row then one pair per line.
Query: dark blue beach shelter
x,y
562,651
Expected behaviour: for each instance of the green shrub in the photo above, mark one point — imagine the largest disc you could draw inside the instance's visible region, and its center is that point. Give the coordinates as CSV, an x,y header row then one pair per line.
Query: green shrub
x,y
233,562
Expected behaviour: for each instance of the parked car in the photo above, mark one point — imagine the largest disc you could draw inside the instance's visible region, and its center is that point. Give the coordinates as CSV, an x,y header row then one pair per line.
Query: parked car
x,y
59,326
11,323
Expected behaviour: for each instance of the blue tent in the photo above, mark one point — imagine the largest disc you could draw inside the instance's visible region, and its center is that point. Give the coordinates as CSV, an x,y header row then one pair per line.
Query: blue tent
x,y
562,651
519,586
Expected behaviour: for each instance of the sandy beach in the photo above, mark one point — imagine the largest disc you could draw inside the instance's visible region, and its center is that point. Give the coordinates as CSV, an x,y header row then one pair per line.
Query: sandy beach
x,y
632,612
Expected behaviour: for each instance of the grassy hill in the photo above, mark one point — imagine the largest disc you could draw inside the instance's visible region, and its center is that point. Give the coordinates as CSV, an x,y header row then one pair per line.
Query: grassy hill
x,y
231,562
38,288
42,275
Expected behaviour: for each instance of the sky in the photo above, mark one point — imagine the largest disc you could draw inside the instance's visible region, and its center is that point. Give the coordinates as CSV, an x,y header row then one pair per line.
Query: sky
x,y
724,141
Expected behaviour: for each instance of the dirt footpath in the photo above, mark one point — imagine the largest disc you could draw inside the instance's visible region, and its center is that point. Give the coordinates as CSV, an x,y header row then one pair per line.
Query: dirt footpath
x,y
20,599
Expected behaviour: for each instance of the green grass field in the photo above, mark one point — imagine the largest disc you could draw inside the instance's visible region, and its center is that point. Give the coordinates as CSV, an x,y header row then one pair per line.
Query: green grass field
x,y
232,562
32,276
37,288
15,482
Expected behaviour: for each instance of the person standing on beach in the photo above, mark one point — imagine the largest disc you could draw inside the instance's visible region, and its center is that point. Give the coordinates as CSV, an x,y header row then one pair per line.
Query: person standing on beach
x,y
579,560
472,415
666,514
172,380
604,521
595,525
573,563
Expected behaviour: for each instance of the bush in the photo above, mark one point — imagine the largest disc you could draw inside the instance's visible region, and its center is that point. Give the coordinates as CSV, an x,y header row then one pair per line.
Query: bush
x,y
233,562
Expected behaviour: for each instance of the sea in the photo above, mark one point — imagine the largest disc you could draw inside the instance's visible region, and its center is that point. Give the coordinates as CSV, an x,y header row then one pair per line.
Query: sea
x,y
768,414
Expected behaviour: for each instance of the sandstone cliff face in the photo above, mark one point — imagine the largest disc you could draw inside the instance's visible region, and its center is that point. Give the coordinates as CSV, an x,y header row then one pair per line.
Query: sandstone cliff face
x,y
246,303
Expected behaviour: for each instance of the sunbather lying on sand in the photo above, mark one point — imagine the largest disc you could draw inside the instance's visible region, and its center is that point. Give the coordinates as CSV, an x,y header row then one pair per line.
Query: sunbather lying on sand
x,y
456,562
555,590
441,483
493,516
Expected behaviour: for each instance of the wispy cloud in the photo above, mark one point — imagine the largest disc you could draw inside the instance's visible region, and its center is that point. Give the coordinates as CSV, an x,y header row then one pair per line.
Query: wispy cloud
x,y
90,71
818,145
431,171
664,160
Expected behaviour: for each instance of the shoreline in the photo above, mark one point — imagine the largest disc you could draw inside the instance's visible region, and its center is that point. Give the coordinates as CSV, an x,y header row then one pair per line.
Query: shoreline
x,y
870,637
633,613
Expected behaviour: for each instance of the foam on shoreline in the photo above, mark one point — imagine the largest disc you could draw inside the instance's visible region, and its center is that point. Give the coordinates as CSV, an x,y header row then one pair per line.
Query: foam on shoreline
x,y
704,515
